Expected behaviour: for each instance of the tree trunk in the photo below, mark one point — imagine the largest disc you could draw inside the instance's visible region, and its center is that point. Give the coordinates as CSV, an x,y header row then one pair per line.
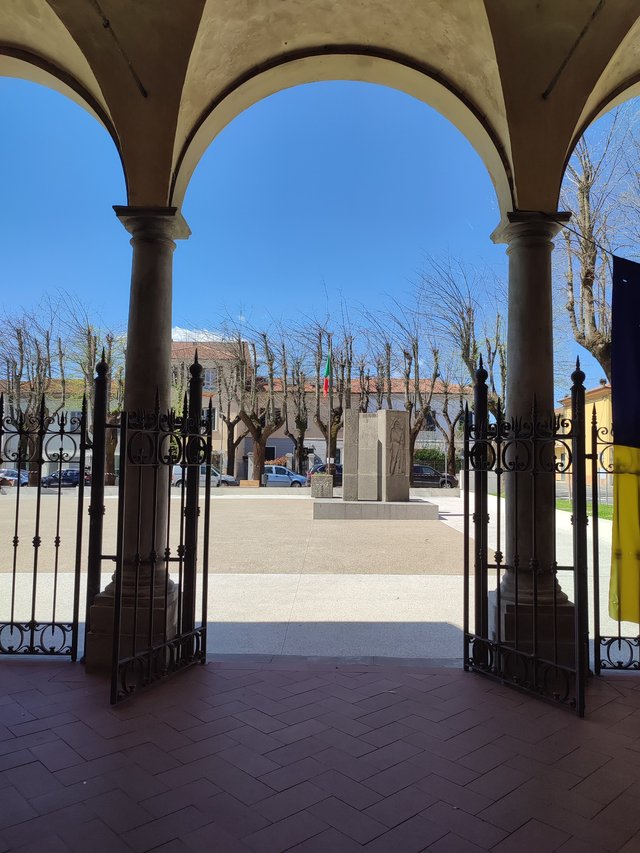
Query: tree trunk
x,y
231,451
300,453
258,458
451,453
110,446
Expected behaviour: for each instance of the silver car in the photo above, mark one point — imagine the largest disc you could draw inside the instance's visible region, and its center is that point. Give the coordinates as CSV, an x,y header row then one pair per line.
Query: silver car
x,y
217,479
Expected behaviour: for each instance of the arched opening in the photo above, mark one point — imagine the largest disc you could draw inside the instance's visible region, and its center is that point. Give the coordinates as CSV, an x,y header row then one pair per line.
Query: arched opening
x,y
343,64
340,199
62,174
601,190
64,272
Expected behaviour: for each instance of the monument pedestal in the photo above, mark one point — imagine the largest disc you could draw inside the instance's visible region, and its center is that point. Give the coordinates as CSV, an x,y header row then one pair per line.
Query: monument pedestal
x,y
376,464
416,510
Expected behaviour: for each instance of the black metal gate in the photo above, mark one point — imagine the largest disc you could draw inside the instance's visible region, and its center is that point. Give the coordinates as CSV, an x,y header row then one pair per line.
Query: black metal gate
x,y
521,627
616,643
160,621
42,470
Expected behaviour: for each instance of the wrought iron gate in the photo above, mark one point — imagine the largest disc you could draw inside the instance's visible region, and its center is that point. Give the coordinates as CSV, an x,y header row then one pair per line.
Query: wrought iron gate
x,y
520,626
160,621
41,555
616,644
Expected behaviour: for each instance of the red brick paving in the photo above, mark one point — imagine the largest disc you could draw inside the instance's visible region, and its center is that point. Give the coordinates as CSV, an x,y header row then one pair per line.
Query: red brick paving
x,y
313,756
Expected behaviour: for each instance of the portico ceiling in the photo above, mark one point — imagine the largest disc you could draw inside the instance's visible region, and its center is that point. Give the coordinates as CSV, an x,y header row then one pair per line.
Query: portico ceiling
x,y
520,78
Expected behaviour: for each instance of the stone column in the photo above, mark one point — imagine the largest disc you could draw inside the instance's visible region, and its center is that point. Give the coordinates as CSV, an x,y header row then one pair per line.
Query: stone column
x,y
147,383
148,364
369,458
530,510
350,455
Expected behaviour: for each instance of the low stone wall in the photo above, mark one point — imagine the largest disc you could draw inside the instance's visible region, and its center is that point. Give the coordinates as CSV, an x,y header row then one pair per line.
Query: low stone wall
x,y
412,510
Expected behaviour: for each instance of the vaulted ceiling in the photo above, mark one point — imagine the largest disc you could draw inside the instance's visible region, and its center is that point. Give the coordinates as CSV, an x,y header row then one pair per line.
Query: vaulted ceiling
x,y
520,78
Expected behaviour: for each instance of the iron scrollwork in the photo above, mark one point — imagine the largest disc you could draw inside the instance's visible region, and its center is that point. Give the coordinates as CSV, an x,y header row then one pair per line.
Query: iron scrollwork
x,y
620,653
29,441
146,668
548,680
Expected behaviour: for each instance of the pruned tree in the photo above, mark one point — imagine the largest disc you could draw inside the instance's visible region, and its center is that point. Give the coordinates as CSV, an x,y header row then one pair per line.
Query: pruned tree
x,y
32,353
230,376
418,390
598,190
34,362
448,418
258,406
86,343
364,383
340,396
465,325
294,404
179,384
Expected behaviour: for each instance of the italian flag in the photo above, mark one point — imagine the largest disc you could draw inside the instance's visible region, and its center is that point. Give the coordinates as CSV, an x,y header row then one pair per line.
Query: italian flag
x,y
327,374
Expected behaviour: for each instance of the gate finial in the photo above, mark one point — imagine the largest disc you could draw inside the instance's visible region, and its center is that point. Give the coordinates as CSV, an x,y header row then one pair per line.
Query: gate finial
x,y
578,376
481,373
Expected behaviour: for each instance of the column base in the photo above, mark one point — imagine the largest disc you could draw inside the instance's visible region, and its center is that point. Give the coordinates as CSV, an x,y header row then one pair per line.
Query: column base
x,y
554,634
99,640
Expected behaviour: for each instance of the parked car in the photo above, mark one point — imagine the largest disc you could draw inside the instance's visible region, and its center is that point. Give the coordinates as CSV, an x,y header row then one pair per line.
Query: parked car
x,y
322,469
10,476
65,479
278,475
425,475
217,479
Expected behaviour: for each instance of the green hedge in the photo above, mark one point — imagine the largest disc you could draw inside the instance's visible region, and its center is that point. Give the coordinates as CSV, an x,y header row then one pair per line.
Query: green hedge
x,y
430,456
436,458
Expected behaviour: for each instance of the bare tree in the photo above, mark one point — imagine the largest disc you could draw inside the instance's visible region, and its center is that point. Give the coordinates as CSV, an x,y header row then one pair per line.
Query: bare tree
x,y
230,376
598,192
86,343
179,384
258,406
295,409
448,419
466,325
342,368
364,383
34,361
418,391
381,333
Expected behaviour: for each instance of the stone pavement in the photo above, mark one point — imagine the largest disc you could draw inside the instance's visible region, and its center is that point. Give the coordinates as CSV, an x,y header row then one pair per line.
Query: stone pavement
x,y
283,583
317,757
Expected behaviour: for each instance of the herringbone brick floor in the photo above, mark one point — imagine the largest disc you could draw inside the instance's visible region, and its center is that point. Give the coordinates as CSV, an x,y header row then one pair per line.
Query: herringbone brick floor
x,y
243,756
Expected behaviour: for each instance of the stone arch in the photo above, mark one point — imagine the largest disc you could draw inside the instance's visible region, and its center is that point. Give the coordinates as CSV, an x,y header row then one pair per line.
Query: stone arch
x,y
625,92
24,65
354,64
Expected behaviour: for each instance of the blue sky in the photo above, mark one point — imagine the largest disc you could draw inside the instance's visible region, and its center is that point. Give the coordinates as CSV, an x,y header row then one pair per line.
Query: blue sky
x,y
320,193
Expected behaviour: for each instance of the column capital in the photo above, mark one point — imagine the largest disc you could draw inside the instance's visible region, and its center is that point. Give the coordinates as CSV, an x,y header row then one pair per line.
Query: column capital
x,y
153,223
533,226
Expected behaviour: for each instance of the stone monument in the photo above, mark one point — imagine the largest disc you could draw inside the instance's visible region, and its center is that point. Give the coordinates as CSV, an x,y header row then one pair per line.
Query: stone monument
x,y
376,468
375,463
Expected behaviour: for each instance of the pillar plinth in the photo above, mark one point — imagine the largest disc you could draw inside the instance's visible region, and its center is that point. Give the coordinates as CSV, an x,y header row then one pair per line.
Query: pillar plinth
x,y
147,386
